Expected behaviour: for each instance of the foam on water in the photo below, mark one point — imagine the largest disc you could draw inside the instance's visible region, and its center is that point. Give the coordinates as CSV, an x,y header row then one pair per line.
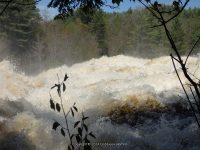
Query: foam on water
x,y
97,86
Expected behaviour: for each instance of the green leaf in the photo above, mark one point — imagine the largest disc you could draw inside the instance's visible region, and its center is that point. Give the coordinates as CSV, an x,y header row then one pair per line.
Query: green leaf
x,y
66,77
76,123
62,131
176,5
64,87
58,90
78,139
52,105
55,125
72,112
58,107
80,131
117,2
75,108
156,4
86,128
84,118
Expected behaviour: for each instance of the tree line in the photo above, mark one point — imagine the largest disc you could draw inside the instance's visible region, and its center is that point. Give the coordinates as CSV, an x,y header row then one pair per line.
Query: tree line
x,y
27,37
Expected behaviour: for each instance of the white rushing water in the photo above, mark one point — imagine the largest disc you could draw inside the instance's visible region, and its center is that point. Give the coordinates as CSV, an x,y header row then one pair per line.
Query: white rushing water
x,y
134,101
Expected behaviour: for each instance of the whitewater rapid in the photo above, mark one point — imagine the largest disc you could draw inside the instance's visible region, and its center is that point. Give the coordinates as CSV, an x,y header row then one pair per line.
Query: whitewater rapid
x,y
99,87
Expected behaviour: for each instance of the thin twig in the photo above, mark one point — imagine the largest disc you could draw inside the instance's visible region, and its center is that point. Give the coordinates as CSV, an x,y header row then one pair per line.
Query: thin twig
x,y
195,100
177,14
65,114
193,75
193,110
195,85
6,6
153,13
192,49
175,58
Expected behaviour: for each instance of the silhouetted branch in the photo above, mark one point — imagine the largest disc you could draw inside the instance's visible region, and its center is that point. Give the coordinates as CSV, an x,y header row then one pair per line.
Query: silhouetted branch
x,y
187,97
196,102
82,129
174,16
172,43
152,12
182,8
193,75
175,58
6,6
159,14
65,114
192,49
168,12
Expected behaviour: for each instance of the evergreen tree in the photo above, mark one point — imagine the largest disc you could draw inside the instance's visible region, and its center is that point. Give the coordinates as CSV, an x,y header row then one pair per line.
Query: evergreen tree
x,y
94,18
19,23
98,28
178,34
85,17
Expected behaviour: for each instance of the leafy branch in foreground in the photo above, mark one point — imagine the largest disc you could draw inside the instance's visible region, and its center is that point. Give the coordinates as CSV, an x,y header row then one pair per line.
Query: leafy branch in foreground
x,y
79,135
164,17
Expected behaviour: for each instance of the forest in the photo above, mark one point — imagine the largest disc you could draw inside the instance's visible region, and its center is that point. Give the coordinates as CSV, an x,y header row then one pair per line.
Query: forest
x,y
26,36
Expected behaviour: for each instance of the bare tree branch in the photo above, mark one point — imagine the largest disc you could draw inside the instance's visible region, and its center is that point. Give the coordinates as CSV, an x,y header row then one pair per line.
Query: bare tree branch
x,y
196,103
175,58
187,96
182,8
192,49
5,7
174,16
152,12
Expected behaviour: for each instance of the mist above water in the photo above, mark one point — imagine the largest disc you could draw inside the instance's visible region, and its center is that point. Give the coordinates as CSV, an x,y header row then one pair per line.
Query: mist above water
x,y
129,100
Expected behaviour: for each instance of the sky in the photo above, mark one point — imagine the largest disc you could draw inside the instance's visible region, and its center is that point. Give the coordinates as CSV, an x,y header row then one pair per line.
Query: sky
x,y
50,12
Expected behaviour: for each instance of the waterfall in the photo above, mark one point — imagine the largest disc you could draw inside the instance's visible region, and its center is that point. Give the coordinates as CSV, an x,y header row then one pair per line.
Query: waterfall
x,y
129,100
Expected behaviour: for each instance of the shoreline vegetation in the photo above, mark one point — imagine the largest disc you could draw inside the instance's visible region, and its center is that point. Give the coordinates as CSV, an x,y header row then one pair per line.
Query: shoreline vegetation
x,y
79,38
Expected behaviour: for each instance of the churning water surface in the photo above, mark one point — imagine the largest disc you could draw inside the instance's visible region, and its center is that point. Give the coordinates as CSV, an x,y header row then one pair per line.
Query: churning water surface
x,y
136,102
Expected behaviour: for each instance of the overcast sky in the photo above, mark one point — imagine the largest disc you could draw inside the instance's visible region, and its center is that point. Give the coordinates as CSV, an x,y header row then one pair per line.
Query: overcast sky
x,y
123,6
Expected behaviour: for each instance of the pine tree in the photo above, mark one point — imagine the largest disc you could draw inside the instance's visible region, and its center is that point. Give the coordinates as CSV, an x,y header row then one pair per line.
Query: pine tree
x,y
19,23
99,29
178,34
